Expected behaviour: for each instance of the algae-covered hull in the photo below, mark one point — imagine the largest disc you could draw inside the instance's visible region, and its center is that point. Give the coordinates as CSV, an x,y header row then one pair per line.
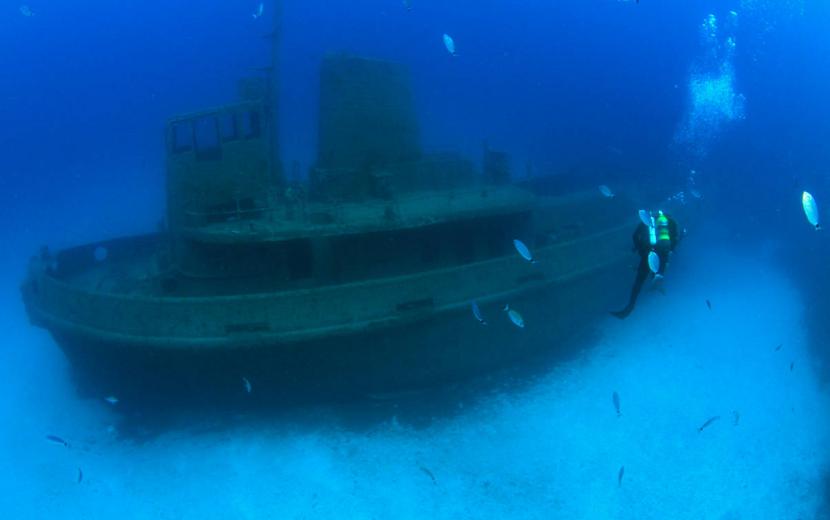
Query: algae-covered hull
x,y
333,342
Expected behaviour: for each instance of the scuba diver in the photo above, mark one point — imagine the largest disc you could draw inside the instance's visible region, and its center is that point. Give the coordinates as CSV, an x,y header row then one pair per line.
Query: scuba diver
x,y
661,237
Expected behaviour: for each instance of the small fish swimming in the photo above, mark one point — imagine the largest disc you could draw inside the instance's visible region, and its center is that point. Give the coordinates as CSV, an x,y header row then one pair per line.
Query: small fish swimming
x,y
620,476
709,304
736,417
792,364
449,43
810,209
57,440
26,11
654,263
407,4
247,384
428,473
645,218
111,400
477,313
606,191
80,476
259,10
615,398
515,317
524,251
708,422
777,348
696,194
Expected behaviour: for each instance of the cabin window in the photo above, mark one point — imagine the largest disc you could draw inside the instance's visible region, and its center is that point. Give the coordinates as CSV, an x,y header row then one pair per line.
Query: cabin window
x,y
181,137
227,127
206,131
251,124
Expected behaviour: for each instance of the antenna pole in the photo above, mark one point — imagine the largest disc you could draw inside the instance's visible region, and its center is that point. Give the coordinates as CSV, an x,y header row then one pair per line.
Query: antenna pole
x,y
274,91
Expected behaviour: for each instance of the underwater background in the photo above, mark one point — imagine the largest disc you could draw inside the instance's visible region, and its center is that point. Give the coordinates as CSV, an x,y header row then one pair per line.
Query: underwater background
x,y
727,98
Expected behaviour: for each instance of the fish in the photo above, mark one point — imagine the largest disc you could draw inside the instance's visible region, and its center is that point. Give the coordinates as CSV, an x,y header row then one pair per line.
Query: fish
x,y
654,262
736,417
80,476
26,11
428,473
615,398
696,194
515,317
57,440
477,313
111,400
777,348
620,476
709,304
259,10
524,251
247,384
708,422
449,43
810,209
606,191
792,364
407,4
645,218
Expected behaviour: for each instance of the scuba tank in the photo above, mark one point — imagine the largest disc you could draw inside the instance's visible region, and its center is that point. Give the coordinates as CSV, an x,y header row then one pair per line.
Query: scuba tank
x,y
652,233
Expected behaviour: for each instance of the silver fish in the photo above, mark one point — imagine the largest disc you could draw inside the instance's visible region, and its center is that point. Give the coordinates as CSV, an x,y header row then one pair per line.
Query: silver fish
x,y
524,251
428,473
449,43
111,400
515,317
247,384
615,398
620,476
606,191
477,313
708,422
57,440
810,209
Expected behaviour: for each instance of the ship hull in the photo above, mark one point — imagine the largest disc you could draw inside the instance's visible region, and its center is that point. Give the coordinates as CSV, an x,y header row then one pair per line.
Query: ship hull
x,y
336,342
435,350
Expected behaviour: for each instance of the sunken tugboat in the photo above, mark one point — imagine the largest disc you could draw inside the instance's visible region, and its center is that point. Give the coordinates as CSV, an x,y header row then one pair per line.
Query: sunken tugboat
x,y
358,278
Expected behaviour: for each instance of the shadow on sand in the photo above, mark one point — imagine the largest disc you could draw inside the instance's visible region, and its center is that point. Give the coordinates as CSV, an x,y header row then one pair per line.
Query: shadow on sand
x,y
414,408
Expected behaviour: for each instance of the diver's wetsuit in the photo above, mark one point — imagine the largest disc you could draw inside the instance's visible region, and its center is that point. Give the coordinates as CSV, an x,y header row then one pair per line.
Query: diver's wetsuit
x,y
643,247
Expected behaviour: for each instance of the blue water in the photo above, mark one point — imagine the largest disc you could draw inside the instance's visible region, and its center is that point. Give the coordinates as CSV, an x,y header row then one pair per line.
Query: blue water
x,y
734,106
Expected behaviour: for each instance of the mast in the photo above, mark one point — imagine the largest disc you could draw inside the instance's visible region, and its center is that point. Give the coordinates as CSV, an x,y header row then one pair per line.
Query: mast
x,y
272,96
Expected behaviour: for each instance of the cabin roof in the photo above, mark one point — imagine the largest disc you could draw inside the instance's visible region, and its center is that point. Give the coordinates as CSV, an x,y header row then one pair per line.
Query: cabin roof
x,y
417,209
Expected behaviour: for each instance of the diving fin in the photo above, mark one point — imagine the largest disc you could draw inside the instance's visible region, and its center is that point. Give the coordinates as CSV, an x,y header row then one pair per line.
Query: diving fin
x,y
623,314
